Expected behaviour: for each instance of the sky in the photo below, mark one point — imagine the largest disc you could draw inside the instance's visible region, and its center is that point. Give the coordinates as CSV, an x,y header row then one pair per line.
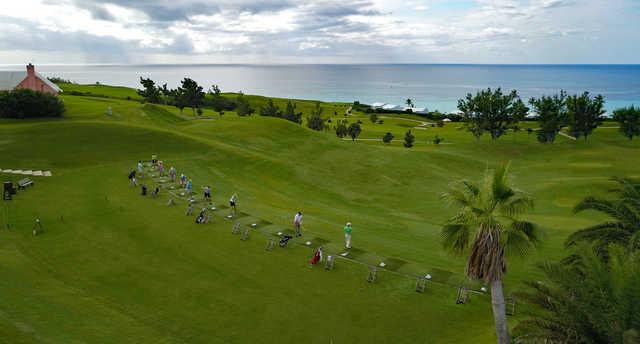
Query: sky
x,y
326,31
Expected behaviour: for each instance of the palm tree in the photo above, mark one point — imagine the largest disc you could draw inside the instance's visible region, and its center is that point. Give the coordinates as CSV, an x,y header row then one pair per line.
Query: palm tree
x,y
488,227
624,212
409,102
584,300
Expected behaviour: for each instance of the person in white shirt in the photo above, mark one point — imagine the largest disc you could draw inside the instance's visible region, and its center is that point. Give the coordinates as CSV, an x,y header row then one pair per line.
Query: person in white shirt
x,y
233,203
297,223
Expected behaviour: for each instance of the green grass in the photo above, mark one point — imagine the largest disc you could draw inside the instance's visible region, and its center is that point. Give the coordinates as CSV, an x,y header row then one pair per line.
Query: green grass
x,y
114,267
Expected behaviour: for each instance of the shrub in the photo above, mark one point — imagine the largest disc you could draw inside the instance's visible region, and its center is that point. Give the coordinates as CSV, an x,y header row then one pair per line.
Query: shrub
x,y
387,138
29,104
409,139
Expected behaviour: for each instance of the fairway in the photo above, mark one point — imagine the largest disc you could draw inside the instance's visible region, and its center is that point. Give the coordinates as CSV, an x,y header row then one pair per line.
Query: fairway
x,y
112,266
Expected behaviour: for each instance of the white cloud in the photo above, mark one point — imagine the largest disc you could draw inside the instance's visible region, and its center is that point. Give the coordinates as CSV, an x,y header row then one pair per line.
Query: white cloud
x,y
363,30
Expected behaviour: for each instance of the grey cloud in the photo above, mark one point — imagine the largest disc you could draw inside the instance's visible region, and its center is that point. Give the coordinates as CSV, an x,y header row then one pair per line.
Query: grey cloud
x,y
167,11
162,11
110,48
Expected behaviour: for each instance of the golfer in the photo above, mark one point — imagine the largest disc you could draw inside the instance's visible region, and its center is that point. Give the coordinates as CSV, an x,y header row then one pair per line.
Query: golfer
x,y
183,179
233,203
140,168
347,235
297,223
172,174
207,193
189,187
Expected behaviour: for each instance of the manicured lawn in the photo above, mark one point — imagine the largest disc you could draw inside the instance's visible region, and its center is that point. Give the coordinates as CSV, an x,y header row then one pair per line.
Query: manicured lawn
x,y
115,267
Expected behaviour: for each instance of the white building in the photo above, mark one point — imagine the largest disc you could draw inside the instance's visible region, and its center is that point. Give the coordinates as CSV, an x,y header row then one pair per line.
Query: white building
x,y
420,110
391,107
376,106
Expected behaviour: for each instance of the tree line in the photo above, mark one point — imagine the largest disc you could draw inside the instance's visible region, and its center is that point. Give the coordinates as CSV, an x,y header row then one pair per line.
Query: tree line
x,y
190,94
494,113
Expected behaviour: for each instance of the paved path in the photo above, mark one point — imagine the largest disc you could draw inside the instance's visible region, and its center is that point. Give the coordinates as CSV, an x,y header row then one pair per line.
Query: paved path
x,y
422,125
37,173
380,140
566,135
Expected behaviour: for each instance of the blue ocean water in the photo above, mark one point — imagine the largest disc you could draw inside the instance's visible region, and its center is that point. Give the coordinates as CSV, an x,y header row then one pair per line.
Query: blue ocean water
x,y
434,86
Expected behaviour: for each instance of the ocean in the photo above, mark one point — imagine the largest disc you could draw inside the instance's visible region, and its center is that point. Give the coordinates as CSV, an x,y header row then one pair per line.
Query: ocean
x,y
437,87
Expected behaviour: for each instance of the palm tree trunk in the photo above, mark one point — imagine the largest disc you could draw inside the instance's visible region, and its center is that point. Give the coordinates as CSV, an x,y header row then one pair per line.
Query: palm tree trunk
x,y
499,312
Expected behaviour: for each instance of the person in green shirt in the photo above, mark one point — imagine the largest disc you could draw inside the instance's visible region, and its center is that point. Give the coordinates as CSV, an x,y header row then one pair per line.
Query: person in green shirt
x,y
347,235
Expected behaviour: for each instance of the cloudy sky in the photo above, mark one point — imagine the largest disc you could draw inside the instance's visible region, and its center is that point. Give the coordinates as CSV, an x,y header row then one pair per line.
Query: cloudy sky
x,y
326,31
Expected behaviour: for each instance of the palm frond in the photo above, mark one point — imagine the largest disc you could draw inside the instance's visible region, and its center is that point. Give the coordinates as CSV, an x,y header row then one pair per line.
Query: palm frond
x,y
601,205
456,237
500,188
461,194
592,233
516,205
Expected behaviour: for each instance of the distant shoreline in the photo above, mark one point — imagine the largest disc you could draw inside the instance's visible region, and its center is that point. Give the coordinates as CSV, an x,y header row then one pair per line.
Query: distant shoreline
x,y
434,86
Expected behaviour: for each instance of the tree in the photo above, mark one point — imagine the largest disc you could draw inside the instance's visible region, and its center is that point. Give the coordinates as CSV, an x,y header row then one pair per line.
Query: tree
x,y
191,94
354,131
341,128
215,90
291,115
629,119
584,300
150,92
437,140
488,226
387,138
178,99
409,103
315,121
552,112
25,103
409,139
585,114
243,108
270,109
373,118
491,111
623,211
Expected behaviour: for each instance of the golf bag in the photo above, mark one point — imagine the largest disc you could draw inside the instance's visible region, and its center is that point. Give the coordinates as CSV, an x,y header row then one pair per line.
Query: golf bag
x,y
200,218
285,240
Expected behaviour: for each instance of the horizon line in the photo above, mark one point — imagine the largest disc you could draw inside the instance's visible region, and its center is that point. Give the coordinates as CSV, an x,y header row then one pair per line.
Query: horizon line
x,y
324,64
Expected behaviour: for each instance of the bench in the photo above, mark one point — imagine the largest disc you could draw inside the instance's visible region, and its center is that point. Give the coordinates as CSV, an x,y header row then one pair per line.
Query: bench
x,y
23,183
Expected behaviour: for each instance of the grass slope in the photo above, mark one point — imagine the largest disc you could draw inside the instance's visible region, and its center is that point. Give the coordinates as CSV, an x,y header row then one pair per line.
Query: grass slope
x,y
113,266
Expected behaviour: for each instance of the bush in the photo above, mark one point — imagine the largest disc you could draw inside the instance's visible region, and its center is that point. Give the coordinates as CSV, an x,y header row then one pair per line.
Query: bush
x,y
29,104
